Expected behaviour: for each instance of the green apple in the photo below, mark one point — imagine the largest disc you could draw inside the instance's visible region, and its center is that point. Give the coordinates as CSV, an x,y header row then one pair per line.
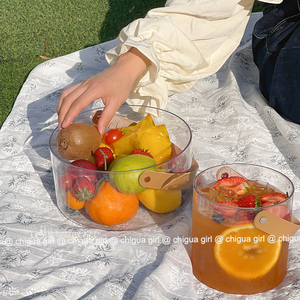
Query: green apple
x,y
114,161
127,170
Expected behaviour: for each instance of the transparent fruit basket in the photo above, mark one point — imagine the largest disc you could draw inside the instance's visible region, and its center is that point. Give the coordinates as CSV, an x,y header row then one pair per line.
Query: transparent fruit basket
x,y
149,195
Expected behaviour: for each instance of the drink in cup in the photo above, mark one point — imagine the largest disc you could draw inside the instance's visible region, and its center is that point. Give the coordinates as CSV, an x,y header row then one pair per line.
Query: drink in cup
x,y
230,254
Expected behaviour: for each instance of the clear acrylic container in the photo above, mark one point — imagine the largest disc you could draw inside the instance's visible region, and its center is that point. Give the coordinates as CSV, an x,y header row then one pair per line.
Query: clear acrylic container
x,y
176,172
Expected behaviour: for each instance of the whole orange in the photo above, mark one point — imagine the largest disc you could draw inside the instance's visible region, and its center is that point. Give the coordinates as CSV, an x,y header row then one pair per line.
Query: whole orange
x,y
73,202
111,207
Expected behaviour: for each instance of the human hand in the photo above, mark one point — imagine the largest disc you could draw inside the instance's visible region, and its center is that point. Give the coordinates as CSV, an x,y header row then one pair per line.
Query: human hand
x,y
113,86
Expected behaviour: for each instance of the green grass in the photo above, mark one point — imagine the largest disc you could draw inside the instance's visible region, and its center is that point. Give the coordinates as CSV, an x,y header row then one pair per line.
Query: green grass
x,y
30,28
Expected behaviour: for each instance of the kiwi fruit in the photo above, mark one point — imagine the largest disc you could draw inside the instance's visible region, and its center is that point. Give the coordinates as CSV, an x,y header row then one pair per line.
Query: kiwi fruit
x,y
78,141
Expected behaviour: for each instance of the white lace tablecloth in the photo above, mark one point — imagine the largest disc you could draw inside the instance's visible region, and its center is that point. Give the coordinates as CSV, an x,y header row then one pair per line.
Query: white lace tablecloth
x,y
43,255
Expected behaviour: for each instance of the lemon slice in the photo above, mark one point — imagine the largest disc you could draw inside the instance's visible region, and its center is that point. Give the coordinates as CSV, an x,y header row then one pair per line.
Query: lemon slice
x,y
246,252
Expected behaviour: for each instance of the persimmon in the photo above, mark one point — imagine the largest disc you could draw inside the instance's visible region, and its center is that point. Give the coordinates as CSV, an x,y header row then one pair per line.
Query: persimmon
x,y
111,207
72,201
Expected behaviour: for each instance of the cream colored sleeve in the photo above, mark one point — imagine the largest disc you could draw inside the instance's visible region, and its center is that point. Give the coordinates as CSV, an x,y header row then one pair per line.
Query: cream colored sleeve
x,y
271,1
186,40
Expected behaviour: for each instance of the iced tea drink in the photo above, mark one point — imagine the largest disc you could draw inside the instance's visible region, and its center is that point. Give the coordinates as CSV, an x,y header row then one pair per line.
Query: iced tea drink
x,y
231,254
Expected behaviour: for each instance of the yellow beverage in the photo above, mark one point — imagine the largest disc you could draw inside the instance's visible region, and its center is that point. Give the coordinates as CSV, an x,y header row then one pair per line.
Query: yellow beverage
x,y
231,254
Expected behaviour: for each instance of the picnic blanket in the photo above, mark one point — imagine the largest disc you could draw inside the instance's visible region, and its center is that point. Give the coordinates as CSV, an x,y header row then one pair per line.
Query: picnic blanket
x,y
44,255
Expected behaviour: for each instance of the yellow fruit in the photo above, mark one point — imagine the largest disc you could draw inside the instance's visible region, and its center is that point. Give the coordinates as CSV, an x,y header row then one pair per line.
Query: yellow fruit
x,y
91,159
126,144
161,201
156,140
145,122
245,252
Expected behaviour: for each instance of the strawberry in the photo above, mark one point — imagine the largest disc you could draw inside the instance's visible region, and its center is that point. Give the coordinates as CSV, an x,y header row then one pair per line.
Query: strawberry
x,y
248,201
279,210
103,157
65,181
274,197
141,151
235,183
227,212
84,164
83,189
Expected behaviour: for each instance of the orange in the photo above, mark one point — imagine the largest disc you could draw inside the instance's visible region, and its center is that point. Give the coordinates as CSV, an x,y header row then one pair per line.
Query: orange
x,y
72,202
111,207
246,252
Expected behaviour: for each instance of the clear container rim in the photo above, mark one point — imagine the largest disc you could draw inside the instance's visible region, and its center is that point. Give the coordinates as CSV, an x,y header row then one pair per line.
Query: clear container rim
x,y
243,208
67,162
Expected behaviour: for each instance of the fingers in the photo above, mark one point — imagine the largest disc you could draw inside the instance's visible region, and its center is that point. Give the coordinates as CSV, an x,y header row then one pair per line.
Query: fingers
x,y
108,112
66,101
72,100
73,105
65,93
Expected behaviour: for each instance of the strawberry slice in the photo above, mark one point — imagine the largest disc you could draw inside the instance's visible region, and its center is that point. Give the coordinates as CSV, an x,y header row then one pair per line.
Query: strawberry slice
x,y
103,157
274,197
83,189
235,183
248,201
227,212
142,152
280,210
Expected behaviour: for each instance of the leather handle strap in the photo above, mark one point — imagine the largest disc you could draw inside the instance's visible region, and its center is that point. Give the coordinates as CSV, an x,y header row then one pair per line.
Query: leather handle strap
x,y
274,225
169,181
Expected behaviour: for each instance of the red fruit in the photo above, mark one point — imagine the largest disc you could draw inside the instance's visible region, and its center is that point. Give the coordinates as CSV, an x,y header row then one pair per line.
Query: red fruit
x,y
141,151
103,157
225,175
178,164
273,198
227,212
84,164
83,189
65,181
113,135
243,216
235,183
281,211
248,201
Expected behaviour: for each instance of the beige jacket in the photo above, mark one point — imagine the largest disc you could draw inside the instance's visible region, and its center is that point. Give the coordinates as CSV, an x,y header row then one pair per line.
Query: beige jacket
x,y
186,40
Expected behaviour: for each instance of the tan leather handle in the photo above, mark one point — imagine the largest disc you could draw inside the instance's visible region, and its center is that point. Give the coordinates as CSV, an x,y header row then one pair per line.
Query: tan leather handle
x,y
169,181
116,121
274,225
229,172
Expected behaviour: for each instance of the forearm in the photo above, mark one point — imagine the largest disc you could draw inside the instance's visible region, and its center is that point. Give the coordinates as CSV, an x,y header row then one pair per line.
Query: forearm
x,y
133,63
185,41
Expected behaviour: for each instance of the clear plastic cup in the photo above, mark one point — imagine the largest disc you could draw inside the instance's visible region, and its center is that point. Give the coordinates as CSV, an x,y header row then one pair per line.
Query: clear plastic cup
x,y
229,253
